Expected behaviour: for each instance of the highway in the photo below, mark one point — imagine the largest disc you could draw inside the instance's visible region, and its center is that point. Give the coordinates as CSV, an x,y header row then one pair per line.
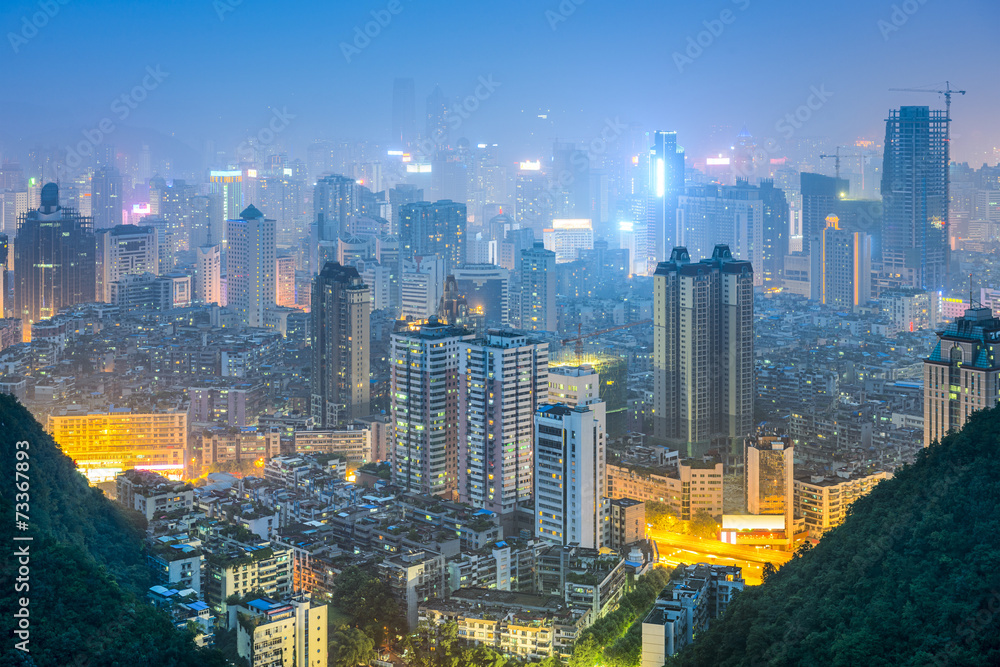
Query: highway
x,y
676,548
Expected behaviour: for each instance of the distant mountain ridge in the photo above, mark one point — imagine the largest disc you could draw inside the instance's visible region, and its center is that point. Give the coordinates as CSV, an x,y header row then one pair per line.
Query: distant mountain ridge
x,y
912,577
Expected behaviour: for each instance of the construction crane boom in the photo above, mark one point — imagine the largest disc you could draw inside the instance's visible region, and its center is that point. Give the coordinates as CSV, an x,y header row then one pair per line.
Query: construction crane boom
x,y
837,157
947,92
580,336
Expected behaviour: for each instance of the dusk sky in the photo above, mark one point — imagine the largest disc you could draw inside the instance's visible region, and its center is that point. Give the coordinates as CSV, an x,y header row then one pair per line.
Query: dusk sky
x,y
228,65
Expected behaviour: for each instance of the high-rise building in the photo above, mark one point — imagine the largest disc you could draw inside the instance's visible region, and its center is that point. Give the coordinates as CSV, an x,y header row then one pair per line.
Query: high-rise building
x,y
55,258
421,287
341,342
436,129
776,232
436,228
106,197
711,214
915,197
571,181
425,377
666,184
568,236
336,202
846,262
962,374
4,255
703,352
486,289
399,196
208,274
404,129
250,264
280,633
570,475
227,184
538,289
770,479
504,378
124,250
533,209
284,272
820,195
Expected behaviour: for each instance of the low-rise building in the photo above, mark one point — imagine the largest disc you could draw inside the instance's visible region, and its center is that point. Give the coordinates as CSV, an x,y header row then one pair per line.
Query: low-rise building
x,y
270,633
151,494
823,501
686,607
689,488
242,570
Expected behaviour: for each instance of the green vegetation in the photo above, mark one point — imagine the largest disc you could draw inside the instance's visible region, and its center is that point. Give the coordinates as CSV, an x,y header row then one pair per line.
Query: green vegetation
x,y
616,639
350,647
910,578
368,599
87,567
662,516
440,647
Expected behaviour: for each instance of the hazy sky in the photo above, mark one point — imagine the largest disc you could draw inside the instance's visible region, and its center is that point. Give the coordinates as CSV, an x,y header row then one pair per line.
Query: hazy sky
x,y
225,65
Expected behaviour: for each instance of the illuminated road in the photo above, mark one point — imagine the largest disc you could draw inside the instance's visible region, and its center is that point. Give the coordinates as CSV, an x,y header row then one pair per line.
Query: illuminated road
x,y
676,548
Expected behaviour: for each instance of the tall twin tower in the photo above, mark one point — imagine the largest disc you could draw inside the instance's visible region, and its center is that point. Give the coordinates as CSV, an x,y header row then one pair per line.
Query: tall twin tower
x,y
703,352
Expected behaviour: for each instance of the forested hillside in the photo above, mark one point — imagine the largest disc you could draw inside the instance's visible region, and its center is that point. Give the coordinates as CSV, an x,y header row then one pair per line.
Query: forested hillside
x,y
912,577
87,570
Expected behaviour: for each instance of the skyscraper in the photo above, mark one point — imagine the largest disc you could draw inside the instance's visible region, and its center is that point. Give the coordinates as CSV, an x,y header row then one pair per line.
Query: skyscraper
x,y
538,289
107,202
425,376
208,274
250,263
437,228
846,281
55,259
666,184
504,380
733,215
436,128
915,197
533,209
124,250
336,201
820,195
962,374
284,272
776,232
570,474
341,342
228,185
404,130
703,352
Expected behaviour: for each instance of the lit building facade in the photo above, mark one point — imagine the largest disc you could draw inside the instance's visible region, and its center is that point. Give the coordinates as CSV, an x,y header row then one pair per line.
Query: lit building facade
x,y
250,266
341,340
425,378
538,289
703,352
124,250
504,380
104,445
962,375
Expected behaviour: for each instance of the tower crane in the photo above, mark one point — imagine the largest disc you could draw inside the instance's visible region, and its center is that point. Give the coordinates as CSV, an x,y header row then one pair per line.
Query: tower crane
x,y
578,339
836,159
947,92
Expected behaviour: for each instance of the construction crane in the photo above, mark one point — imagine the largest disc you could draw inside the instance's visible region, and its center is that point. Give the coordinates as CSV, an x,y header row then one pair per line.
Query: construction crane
x,y
580,336
948,90
836,162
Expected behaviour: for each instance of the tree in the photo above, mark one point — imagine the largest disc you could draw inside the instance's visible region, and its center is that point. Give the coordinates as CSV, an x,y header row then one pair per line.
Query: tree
x,y
704,524
350,647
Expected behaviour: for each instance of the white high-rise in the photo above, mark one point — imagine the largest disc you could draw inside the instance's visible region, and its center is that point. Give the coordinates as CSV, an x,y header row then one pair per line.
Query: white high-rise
x,y
570,474
208,275
250,264
504,378
124,250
